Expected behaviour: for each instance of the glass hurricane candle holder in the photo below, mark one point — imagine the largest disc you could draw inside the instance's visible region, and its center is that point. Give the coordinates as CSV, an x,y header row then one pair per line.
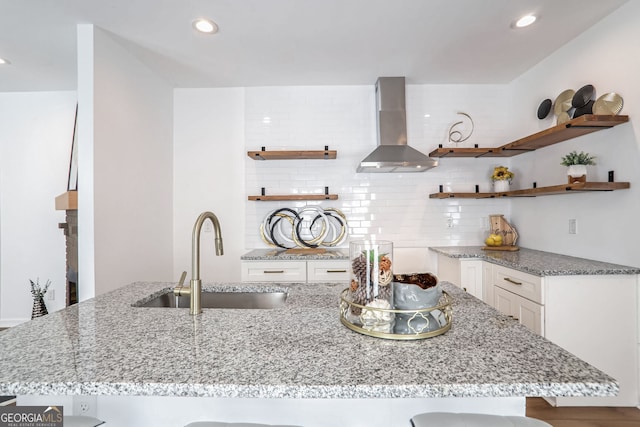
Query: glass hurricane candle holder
x,y
371,278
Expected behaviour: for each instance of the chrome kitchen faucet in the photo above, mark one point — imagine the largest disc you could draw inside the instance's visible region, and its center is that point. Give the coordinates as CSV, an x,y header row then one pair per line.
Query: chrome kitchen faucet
x,y
195,290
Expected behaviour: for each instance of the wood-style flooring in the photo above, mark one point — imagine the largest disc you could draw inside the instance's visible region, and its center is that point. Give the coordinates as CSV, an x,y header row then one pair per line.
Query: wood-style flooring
x,y
582,416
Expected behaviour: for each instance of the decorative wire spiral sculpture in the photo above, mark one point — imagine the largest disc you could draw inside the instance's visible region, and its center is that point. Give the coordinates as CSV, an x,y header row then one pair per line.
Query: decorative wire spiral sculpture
x,y
455,136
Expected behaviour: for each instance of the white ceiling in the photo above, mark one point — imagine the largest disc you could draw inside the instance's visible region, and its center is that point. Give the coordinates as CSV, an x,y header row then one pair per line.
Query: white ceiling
x,y
294,42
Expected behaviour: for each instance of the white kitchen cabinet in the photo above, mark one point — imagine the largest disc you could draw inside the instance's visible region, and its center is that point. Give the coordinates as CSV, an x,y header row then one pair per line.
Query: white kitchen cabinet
x,y
519,295
528,313
487,277
327,271
471,277
300,271
274,271
591,316
462,272
518,282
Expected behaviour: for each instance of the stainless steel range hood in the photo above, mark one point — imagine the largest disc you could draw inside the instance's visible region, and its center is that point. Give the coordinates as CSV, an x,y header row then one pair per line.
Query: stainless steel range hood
x,y
393,154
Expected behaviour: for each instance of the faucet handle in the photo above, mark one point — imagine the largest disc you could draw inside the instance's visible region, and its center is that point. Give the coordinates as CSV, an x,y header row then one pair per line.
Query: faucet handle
x,y
180,289
182,277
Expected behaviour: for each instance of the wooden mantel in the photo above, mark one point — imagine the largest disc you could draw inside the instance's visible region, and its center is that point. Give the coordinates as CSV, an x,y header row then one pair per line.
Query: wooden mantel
x,y
67,201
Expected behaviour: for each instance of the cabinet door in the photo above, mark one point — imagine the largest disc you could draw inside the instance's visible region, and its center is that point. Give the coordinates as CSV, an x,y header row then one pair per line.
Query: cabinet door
x,y
328,271
449,269
487,283
528,313
471,277
274,271
504,301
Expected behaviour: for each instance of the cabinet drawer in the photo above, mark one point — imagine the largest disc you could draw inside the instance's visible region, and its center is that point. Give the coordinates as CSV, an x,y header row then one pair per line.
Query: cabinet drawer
x,y
274,271
523,284
328,271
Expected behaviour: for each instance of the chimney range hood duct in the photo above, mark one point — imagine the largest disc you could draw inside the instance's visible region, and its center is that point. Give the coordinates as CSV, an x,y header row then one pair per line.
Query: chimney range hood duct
x,y
393,154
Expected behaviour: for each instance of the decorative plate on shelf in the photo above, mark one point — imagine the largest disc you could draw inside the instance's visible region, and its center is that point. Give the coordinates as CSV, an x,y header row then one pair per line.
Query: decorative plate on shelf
x,y
582,96
544,108
608,104
562,103
563,117
586,109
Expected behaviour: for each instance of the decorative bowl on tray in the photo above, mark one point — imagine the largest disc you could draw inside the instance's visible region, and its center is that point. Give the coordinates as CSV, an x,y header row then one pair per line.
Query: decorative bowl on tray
x,y
421,309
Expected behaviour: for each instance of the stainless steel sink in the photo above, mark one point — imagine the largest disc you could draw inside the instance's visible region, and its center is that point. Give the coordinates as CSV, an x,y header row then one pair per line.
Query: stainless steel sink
x,y
238,300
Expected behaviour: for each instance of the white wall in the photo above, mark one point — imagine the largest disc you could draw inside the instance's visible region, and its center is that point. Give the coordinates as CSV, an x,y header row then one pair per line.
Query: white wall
x,y
214,128
209,176
607,56
86,223
392,206
36,131
132,168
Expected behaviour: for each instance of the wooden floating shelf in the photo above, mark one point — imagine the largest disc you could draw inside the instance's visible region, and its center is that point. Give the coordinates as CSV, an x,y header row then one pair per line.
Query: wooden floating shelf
x,y
579,126
539,191
292,154
471,152
294,197
67,201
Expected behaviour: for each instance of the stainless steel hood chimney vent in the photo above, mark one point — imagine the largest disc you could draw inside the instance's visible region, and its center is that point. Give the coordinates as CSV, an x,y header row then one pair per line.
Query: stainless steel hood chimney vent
x,y
393,154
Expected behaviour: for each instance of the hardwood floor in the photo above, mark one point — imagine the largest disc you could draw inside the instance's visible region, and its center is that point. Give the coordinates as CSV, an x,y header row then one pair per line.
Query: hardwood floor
x,y
582,416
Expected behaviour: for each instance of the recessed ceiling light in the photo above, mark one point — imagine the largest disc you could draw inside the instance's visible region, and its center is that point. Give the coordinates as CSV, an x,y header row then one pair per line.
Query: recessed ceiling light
x,y
206,26
525,21
4,61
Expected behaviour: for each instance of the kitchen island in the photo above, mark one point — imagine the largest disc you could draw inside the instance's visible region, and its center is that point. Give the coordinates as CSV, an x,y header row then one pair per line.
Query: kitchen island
x,y
281,359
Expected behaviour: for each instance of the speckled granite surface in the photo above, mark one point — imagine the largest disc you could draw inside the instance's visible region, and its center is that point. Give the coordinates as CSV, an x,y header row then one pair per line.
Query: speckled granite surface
x,y
281,255
105,346
538,263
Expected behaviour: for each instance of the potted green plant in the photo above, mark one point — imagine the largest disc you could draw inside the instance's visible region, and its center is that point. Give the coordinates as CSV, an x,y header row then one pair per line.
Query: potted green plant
x,y
577,165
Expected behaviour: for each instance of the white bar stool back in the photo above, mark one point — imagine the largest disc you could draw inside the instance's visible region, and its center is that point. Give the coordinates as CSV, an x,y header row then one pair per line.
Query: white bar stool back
x,y
221,424
447,419
81,421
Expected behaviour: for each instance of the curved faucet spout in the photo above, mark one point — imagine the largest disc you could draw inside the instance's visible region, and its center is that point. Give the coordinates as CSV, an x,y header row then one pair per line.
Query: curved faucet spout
x,y
195,241
196,284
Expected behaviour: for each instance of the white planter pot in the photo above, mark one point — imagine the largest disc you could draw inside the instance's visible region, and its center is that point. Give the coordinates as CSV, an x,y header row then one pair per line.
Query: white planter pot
x,y
576,171
501,186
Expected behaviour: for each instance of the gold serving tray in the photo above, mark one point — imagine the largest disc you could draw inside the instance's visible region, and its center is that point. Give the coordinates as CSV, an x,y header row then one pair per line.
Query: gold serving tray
x,y
444,305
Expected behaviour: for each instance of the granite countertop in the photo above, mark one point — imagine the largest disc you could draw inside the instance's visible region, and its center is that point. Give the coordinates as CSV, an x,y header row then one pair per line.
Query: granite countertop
x,y
105,346
538,263
281,255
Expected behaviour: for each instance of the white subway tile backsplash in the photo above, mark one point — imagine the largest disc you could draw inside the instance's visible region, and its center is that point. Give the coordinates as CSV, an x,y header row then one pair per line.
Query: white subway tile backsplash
x,y
388,206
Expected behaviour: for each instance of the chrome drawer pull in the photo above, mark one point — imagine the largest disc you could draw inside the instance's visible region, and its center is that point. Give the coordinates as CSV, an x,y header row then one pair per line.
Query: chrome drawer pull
x,y
273,271
512,281
336,271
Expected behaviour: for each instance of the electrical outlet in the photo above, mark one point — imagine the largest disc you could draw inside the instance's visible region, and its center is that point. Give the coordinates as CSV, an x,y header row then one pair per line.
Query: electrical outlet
x,y
573,226
449,222
51,295
207,227
85,405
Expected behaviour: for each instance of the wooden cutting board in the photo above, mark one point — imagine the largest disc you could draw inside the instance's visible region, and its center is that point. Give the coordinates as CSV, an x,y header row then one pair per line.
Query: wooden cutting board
x,y
305,251
500,248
